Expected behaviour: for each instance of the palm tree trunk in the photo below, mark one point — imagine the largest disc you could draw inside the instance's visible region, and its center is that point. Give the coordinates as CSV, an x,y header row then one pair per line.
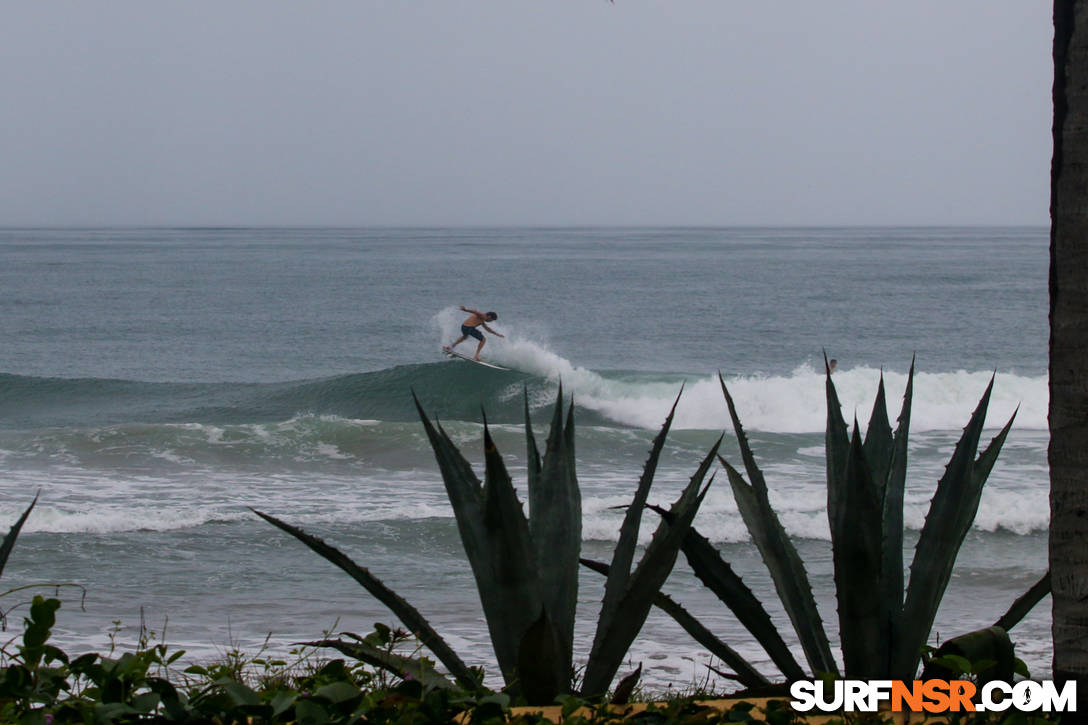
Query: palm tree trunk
x,y
1069,344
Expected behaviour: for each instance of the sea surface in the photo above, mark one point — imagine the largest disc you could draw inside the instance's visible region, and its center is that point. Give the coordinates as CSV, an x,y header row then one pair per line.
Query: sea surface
x,y
157,383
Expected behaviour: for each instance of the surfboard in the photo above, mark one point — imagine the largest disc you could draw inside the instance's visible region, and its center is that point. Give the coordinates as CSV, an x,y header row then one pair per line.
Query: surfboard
x,y
454,353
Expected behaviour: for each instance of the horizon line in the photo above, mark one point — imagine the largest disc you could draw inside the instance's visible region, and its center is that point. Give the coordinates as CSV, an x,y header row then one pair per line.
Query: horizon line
x,y
210,226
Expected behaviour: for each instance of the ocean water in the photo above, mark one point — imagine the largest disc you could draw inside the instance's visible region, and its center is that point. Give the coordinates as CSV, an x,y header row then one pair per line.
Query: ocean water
x,y
156,383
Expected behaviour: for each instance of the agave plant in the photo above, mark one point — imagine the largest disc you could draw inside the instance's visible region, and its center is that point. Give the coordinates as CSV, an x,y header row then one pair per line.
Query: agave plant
x,y
526,567
882,631
13,533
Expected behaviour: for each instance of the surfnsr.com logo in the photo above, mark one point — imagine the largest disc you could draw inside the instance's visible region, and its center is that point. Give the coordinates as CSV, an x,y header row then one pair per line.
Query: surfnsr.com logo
x,y
932,696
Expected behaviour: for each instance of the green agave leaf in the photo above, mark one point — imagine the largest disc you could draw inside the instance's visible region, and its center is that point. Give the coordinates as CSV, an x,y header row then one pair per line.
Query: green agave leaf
x,y
539,677
622,694
1024,603
409,615
778,552
13,534
745,672
951,512
856,541
462,487
718,576
786,570
836,445
624,554
508,583
495,535
891,568
532,454
867,637
403,667
616,630
879,441
555,522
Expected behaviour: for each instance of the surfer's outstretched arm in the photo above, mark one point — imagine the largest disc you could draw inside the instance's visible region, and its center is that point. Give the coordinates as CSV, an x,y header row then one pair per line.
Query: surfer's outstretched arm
x,y
496,334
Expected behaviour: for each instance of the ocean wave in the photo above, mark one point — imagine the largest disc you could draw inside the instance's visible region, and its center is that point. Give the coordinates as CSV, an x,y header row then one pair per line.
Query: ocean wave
x,y
106,519
330,471
792,403
803,513
1018,515
303,442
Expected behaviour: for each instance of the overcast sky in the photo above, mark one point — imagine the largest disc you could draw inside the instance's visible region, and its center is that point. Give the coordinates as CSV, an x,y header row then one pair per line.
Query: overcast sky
x,y
551,112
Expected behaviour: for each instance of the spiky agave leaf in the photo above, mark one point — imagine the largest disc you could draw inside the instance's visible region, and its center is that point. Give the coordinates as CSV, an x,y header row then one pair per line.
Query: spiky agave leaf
x,y
504,559
13,534
403,667
778,552
891,568
555,522
718,576
836,443
879,441
617,629
494,533
865,494
626,688
865,515
462,487
951,512
623,555
409,615
507,580
544,669
532,453
856,540
745,673
1024,603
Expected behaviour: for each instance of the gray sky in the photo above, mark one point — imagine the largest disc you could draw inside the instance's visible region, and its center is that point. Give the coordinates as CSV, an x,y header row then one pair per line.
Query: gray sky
x,y
433,112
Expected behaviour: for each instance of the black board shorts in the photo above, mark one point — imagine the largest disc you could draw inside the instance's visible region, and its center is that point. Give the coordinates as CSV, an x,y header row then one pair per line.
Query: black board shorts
x,y
471,332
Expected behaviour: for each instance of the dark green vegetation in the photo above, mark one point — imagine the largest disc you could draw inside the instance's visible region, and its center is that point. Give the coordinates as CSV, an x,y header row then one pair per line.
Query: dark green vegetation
x,y
882,631
526,568
40,683
13,533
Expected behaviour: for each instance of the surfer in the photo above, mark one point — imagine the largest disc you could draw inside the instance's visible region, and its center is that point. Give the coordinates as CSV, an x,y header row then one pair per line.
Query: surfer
x,y
470,328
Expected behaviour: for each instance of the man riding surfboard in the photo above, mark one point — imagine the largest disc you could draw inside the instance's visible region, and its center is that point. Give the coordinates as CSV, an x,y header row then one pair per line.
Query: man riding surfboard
x,y
469,328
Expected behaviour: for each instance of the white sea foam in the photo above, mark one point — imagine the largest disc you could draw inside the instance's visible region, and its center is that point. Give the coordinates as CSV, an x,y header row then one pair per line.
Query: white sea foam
x,y
796,403
1014,501
105,519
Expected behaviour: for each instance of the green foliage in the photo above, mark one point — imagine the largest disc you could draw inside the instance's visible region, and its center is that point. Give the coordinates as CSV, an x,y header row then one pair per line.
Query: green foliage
x,y
43,679
526,568
882,630
1025,603
778,552
379,649
408,614
718,576
42,684
983,655
744,672
949,519
528,604
618,625
9,540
